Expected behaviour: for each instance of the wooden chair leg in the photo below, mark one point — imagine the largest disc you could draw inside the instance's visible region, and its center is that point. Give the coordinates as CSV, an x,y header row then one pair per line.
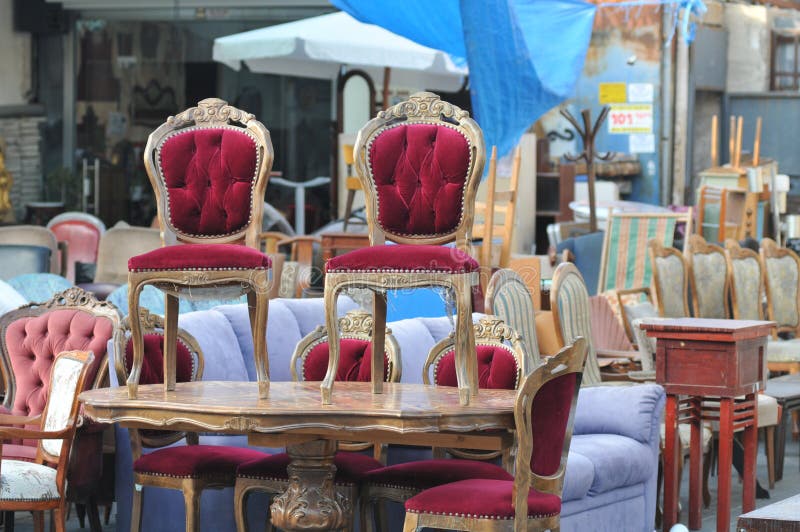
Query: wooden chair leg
x,y
136,509
332,326
365,512
706,473
170,340
258,306
107,516
191,499
240,507
466,360
94,516
8,521
769,448
348,208
38,522
80,511
378,340
411,521
59,518
134,290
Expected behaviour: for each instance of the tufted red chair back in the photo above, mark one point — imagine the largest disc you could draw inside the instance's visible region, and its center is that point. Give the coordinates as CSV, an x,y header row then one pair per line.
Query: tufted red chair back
x,y
209,166
83,240
419,173
153,364
32,342
209,175
355,361
497,368
419,163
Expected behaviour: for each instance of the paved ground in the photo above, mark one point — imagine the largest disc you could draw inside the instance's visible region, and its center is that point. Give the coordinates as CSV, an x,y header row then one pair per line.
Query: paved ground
x,y
790,485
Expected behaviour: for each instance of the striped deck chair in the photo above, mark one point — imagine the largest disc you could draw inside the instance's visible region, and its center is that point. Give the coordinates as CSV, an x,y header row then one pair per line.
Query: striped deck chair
x,y
624,262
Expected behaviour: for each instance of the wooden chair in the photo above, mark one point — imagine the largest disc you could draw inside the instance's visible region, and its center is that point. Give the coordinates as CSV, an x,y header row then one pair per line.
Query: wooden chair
x,y
782,282
195,159
544,412
670,280
189,468
497,202
30,337
502,366
268,474
708,272
352,184
35,485
569,302
720,213
35,235
419,163
625,262
508,298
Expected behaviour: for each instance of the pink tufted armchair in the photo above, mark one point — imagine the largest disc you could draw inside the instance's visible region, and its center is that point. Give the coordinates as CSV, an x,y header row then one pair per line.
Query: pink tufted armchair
x,y
209,167
419,163
30,338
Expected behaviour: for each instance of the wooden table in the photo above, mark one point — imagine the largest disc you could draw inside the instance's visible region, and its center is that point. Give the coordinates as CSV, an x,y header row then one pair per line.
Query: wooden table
x,y
292,415
709,359
782,516
335,243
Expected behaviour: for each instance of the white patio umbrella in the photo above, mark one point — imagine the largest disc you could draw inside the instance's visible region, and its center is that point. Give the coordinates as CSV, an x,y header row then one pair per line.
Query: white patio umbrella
x,y
317,47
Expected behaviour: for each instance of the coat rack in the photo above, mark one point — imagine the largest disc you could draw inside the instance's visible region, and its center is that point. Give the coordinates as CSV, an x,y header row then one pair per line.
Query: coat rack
x,y
588,155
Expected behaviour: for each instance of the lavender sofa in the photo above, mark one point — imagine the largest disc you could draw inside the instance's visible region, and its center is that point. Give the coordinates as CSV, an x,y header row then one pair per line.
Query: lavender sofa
x,y
612,468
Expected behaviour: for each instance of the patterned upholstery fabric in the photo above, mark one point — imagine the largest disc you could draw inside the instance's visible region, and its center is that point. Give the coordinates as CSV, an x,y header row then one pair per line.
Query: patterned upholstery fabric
x,y
627,261
33,342
209,175
710,272
671,275
404,258
63,389
746,282
783,282
512,303
419,171
575,319
26,481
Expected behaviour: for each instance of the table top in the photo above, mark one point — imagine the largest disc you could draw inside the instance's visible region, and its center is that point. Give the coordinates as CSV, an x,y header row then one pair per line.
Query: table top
x,y
736,329
603,208
234,407
785,512
784,387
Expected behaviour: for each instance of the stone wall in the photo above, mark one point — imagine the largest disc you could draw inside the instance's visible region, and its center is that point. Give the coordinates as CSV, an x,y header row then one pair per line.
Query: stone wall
x,y
22,139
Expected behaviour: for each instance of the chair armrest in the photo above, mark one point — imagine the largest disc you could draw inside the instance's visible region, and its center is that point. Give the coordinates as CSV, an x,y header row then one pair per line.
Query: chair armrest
x,y
611,353
8,419
9,433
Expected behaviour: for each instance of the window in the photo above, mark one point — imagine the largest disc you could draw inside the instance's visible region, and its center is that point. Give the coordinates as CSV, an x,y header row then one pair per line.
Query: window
x,y
785,73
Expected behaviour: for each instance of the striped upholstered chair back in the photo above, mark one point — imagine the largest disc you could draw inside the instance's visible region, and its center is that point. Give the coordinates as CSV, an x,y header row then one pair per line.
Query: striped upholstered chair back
x,y
508,298
569,301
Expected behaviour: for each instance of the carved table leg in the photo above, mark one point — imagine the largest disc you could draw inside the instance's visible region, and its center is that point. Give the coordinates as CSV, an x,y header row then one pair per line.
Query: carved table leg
x,y
311,502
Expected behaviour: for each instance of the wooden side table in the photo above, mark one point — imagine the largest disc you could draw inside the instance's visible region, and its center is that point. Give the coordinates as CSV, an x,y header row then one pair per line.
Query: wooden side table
x,y
703,359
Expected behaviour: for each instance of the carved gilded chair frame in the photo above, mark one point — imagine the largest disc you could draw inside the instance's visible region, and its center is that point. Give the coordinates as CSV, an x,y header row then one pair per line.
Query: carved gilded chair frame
x,y
66,435
697,245
658,251
570,360
209,113
420,108
73,298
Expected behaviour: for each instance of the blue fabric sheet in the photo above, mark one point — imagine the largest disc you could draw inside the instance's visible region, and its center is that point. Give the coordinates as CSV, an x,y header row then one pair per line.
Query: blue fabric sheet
x,y
524,56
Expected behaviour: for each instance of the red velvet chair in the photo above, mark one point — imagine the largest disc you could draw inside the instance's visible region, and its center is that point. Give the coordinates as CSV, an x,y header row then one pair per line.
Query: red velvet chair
x,y
31,337
419,163
500,366
81,232
209,167
544,415
269,473
189,468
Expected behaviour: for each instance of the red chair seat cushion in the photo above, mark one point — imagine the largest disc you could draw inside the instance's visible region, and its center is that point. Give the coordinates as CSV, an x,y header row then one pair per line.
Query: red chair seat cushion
x,y
200,257
403,258
426,474
193,461
489,499
153,362
350,467
355,361
497,369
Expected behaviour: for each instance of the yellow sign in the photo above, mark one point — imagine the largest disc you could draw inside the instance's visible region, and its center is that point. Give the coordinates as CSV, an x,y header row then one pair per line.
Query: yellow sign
x,y
612,93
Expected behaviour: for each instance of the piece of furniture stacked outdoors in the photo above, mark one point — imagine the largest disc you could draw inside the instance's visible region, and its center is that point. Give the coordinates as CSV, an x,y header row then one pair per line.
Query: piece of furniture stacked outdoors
x,y
34,485
209,167
81,233
419,162
31,337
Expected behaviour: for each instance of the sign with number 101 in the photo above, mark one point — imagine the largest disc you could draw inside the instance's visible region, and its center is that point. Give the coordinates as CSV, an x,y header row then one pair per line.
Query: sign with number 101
x,y
630,118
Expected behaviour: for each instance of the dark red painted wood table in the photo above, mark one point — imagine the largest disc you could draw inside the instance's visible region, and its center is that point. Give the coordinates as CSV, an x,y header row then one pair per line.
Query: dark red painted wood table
x,y
706,366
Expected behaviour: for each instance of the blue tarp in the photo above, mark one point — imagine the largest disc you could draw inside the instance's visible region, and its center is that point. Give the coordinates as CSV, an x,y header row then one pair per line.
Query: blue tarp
x,y
524,56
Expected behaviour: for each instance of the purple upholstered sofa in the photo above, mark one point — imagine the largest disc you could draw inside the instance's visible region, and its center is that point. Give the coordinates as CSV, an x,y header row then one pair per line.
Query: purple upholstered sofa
x,y
613,462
